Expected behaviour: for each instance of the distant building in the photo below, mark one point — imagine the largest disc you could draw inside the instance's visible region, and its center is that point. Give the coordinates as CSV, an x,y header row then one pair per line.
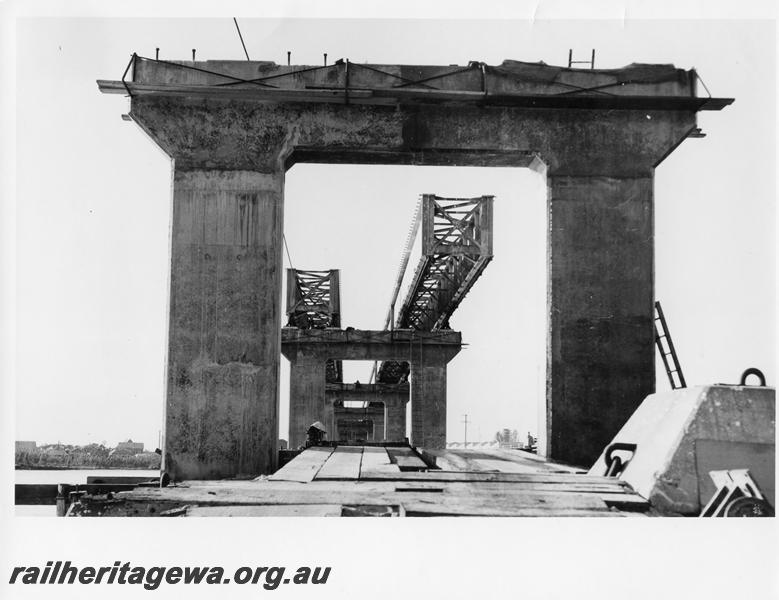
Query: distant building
x,y
26,446
129,447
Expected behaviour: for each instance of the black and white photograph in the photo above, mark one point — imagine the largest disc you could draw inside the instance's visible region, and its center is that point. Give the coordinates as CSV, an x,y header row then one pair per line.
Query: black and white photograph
x,y
513,268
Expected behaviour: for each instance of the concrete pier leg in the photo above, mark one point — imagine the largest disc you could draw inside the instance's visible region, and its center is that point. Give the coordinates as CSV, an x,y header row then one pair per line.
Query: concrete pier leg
x,y
307,399
395,419
221,415
601,362
428,405
378,425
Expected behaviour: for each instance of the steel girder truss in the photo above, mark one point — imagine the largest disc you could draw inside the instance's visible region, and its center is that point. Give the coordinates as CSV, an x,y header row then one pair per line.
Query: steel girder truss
x,y
314,302
456,248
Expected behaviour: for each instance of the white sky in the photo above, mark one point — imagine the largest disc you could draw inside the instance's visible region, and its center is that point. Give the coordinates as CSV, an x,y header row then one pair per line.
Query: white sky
x,y
93,206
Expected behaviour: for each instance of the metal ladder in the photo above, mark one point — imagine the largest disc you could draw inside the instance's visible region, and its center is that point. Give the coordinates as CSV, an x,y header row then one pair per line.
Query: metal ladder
x,y
675,375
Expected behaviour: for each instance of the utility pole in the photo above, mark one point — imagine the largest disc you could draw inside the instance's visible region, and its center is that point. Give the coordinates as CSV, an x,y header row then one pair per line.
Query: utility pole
x,y
465,434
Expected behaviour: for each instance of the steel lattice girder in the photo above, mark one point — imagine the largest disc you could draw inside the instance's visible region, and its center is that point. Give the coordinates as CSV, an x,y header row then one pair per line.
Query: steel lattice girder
x,y
314,302
456,248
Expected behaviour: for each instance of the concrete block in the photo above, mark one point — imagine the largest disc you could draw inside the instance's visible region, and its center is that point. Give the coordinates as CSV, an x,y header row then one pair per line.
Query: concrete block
x,y
683,434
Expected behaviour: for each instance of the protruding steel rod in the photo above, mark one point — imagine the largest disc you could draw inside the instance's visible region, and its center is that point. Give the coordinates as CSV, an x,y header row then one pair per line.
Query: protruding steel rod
x,y
241,38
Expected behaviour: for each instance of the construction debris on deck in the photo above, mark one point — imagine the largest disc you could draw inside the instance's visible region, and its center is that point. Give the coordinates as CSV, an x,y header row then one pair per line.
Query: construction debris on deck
x,y
387,481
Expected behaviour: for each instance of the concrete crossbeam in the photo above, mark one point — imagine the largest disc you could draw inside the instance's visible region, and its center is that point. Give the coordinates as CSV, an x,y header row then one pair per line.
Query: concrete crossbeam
x,y
364,344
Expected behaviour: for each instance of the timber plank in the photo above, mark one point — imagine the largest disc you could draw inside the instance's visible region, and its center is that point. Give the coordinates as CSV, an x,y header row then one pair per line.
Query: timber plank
x,y
417,498
612,486
344,463
376,460
435,475
468,460
267,510
417,510
349,492
448,460
504,466
626,502
528,458
406,459
473,503
304,466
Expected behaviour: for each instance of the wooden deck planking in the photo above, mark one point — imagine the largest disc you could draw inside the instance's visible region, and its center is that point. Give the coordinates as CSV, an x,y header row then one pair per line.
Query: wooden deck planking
x,y
406,458
468,460
503,466
344,463
304,466
266,510
511,505
447,462
376,460
446,501
497,477
528,458
321,481
416,497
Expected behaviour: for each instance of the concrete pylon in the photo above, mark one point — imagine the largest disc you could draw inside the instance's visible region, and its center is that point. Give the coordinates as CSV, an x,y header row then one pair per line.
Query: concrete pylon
x,y
223,350
395,417
428,404
307,398
601,298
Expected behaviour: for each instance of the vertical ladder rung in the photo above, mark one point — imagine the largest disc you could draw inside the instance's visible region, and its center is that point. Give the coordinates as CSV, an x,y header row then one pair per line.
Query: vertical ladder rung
x,y
671,351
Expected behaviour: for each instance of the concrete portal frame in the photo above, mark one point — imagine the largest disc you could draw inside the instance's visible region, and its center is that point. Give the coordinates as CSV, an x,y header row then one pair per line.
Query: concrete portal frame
x,y
233,128
372,413
428,352
393,396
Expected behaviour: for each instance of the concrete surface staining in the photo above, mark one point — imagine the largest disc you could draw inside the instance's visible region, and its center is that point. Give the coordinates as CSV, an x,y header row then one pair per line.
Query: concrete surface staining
x,y
226,262
232,132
